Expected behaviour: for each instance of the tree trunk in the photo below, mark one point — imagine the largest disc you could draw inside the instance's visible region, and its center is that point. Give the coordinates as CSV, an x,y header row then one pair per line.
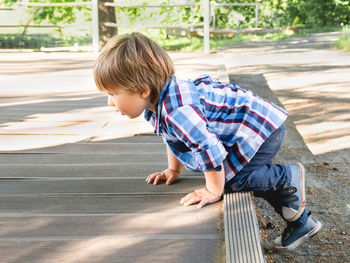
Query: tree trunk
x,y
106,14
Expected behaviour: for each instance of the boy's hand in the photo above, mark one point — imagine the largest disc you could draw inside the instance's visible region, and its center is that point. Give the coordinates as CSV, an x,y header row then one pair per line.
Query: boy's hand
x,y
168,175
201,196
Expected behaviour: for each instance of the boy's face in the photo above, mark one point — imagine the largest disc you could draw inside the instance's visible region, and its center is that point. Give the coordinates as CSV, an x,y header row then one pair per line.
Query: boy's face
x,y
128,103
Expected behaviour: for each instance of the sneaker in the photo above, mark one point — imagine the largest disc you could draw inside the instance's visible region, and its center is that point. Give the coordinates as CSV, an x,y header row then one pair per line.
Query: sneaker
x,y
292,196
294,235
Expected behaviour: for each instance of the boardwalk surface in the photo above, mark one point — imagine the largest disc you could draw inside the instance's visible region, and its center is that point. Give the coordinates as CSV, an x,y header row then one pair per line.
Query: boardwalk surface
x,y
72,175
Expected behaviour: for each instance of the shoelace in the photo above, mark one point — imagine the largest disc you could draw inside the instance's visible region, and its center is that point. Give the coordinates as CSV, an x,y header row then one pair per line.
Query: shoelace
x,y
290,227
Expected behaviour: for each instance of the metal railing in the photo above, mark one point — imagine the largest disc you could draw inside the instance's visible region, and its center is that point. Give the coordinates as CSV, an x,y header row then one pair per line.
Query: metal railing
x,y
207,8
204,24
216,5
32,4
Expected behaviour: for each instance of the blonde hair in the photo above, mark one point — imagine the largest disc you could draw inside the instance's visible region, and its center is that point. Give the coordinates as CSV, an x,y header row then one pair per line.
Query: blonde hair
x,y
133,62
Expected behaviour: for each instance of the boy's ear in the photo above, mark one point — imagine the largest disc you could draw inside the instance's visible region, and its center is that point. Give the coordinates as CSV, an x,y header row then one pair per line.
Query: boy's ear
x,y
147,92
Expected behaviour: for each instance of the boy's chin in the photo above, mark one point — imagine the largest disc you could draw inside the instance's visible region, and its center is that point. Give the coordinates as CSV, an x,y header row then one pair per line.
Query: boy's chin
x,y
133,117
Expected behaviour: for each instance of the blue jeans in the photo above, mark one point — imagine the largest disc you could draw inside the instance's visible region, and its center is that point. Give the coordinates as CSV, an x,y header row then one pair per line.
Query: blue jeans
x,y
261,176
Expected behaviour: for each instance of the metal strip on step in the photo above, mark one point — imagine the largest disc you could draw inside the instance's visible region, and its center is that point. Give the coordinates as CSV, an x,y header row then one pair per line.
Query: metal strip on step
x,y
242,235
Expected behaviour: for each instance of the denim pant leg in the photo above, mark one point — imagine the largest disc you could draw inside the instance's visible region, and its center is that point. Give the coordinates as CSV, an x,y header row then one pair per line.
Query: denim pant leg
x,y
260,175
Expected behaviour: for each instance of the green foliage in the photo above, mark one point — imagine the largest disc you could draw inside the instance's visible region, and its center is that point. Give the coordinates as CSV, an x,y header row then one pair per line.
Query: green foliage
x,y
183,43
281,13
313,13
157,15
172,43
272,13
344,40
54,15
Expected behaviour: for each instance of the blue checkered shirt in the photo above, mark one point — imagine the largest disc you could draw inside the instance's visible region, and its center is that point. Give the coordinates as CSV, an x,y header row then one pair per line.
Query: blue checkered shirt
x,y
206,123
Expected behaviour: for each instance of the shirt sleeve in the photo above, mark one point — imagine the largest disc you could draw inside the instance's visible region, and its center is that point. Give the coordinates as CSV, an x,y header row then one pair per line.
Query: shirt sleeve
x,y
189,125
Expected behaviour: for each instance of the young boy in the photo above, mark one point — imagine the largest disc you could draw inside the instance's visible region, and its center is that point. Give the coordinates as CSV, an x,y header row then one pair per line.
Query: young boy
x,y
228,133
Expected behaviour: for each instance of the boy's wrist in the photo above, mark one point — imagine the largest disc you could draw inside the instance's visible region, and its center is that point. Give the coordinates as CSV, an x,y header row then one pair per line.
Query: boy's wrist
x,y
215,192
176,171
215,181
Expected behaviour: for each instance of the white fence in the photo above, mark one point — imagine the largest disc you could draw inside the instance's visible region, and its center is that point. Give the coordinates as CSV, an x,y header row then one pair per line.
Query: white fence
x,y
256,5
206,4
205,24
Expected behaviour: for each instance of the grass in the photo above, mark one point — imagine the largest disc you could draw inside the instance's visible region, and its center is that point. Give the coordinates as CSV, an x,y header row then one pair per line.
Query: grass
x,y
344,40
184,43
170,43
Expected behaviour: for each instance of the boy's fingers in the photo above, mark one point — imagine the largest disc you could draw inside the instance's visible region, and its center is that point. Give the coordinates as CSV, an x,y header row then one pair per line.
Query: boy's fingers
x,y
186,198
160,176
156,180
202,203
193,200
170,180
150,178
190,199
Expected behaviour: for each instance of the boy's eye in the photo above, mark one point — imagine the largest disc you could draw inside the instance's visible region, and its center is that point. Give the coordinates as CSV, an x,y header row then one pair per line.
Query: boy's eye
x,y
110,94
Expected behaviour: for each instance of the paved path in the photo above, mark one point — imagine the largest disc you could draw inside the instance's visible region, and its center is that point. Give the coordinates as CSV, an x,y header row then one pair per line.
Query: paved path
x,y
72,175
310,79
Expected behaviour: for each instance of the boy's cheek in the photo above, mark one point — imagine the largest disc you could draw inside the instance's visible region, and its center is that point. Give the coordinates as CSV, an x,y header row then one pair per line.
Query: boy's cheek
x,y
110,101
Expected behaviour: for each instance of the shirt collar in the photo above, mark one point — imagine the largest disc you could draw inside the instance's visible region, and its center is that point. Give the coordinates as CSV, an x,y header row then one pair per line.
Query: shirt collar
x,y
157,116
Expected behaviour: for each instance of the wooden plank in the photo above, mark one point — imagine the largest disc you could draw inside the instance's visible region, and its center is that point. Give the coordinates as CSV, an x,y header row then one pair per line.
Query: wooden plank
x,y
95,186
65,226
242,236
71,101
13,158
99,204
83,170
44,109
149,138
112,250
100,148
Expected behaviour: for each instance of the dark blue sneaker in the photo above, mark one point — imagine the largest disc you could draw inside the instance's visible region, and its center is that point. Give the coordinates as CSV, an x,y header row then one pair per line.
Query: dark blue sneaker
x,y
293,235
293,199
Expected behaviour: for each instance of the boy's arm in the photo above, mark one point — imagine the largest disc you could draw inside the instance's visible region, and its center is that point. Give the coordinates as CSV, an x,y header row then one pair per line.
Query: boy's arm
x,y
171,174
173,162
211,193
215,181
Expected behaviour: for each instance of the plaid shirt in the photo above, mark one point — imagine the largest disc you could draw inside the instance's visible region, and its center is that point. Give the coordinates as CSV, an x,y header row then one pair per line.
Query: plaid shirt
x,y
205,123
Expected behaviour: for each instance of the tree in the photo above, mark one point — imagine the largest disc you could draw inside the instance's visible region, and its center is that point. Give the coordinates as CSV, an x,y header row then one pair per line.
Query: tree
x,y
106,13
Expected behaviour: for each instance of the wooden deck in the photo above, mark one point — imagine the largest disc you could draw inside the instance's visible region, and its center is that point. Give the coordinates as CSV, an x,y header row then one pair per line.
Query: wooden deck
x,y
72,178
